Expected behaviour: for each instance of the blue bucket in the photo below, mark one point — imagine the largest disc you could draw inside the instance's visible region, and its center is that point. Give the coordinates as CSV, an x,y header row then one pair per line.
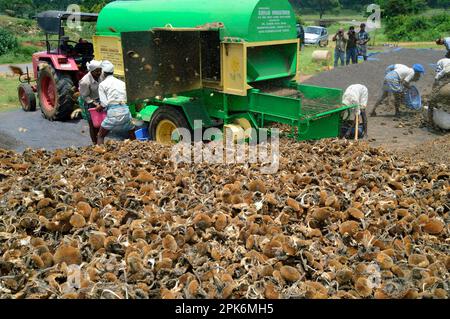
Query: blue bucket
x,y
142,134
413,100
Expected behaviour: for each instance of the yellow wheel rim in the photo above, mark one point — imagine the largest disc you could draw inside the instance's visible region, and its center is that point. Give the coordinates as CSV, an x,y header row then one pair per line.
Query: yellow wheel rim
x,y
164,132
245,124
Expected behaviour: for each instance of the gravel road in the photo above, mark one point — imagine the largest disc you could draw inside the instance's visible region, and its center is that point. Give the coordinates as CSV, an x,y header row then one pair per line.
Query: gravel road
x,y
371,73
396,134
20,130
4,68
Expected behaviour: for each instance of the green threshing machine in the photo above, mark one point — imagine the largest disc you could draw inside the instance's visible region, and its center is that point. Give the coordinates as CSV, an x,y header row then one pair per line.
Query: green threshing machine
x,y
231,64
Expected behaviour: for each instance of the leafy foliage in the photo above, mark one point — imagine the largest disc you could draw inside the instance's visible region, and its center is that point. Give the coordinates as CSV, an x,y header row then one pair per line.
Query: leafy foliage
x,y
320,6
8,41
28,8
394,8
417,28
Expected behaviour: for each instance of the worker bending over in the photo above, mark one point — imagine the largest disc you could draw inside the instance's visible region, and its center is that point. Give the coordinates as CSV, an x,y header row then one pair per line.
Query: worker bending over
x,y
439,103
88,88
445,42
397,81
357,94
442,72
113,98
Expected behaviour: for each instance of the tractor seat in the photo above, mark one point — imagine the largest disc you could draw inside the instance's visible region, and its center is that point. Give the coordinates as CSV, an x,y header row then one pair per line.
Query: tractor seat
x,y
84,49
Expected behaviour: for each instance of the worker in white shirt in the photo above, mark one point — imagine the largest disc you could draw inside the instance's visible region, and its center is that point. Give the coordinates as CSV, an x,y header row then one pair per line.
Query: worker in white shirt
x,y
442,77
397,81
357,94
445,42
88,87
113,98
442,69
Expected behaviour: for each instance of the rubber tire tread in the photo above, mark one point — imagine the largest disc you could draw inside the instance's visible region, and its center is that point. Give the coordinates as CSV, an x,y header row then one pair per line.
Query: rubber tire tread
x,y
31,97
65,103
167,112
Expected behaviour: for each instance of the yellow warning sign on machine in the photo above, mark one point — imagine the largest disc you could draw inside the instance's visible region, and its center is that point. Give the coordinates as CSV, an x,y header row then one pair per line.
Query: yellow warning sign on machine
x,y
110,48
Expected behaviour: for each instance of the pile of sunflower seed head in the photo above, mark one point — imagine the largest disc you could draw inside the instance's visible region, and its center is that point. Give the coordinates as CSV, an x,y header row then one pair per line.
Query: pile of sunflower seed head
x,y
338,220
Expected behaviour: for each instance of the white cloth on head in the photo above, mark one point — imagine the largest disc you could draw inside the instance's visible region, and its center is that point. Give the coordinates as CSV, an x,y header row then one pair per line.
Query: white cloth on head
x,y
405,73
356,94
93,65
112,91
443,68
107,67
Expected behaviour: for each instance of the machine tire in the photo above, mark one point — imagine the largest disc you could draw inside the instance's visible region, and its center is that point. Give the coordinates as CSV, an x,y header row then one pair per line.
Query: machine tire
x,y
27,98
166,114
55,93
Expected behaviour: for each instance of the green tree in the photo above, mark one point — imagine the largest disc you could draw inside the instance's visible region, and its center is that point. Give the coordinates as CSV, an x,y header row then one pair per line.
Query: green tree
x,y
321,6
443,4
8,41
394,8
17,8
360,5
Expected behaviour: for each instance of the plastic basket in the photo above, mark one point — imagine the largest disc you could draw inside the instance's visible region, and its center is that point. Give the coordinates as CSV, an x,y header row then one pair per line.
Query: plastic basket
x,y
97,117
142,134
413,100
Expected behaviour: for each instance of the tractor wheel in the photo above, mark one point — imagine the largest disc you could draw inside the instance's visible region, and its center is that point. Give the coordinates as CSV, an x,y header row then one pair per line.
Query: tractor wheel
x,y
55,91
26,97
164,122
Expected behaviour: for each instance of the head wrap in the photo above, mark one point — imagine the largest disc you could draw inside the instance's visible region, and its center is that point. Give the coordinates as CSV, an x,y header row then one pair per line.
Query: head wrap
x,y
93,65
107,67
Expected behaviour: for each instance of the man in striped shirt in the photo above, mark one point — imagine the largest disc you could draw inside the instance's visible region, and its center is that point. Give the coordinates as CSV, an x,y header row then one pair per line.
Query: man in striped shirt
x,y
363,40
445,42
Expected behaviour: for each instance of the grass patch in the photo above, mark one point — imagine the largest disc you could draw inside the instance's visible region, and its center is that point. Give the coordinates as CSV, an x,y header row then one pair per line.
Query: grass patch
x,y
8,93
342,15
21,55
307,65
20,27
28,35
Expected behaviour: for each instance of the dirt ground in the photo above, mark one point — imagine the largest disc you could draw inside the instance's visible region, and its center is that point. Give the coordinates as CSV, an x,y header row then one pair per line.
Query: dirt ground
x,y
409,134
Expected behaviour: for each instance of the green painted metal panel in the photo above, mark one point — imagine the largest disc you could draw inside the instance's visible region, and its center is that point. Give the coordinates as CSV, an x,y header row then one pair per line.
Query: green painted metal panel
x,y
323,127
132,108
250,20
271,62
329,95
146,113
194,109
282,107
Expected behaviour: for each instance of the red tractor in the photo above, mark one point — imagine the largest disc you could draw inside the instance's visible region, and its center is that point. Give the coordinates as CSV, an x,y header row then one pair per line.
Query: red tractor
x,y
57,70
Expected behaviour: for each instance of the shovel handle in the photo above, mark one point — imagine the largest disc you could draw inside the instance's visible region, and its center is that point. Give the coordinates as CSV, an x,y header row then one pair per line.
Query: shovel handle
x,y
357,124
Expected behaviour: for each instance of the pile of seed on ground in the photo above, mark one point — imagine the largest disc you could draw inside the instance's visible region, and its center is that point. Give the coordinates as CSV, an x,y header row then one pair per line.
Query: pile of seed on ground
x,y
371,73
338,220
436,151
